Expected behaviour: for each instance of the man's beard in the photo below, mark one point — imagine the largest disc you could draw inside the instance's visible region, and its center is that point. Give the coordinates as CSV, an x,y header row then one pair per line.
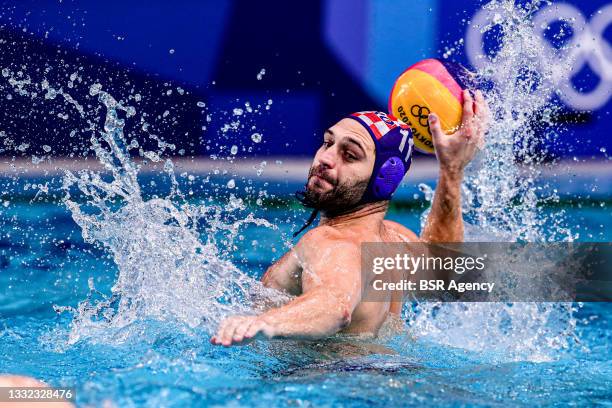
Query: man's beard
x,y
342,198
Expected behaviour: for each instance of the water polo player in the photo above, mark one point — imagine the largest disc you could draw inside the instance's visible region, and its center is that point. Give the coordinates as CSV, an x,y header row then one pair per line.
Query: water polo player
x,y
354,173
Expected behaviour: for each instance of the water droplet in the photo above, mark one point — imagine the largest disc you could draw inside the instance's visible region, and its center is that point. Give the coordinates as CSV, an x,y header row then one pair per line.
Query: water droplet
x,y
234,149
153,156
95,89
261,74
171,50
51,93
256,137
200,104
261,168
231,183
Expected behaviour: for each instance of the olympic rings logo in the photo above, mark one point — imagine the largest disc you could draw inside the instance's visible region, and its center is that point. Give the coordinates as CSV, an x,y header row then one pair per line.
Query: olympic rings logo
x,y
586,46
421,113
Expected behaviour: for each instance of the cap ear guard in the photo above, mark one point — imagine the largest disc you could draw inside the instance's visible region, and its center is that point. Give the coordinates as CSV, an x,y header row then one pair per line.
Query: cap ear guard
x,y
387,178
393,149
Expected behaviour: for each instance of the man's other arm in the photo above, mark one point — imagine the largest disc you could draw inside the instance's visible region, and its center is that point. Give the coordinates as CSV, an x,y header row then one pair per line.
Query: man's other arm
x,y
331,289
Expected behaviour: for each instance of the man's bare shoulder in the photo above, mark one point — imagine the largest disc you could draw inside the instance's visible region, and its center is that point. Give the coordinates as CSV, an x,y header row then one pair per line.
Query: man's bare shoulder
x,y
323,233
328,257
399,233
323,238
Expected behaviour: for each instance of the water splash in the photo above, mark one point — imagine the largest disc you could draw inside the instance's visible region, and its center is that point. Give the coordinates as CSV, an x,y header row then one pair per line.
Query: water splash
x,y
501,195
166,272
172,255
172,269
500,189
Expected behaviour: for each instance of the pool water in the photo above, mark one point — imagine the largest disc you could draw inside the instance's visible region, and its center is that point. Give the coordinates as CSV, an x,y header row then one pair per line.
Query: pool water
x,y
45,262
126,315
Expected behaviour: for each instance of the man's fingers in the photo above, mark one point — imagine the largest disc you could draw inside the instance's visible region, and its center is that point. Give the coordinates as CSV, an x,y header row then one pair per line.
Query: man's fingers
x,y
468,106
434,127
241,330
261,328
479,105
223,328
231,333
467,115
481,108
482,118
227,333
255,328
216,339
233,330
268,331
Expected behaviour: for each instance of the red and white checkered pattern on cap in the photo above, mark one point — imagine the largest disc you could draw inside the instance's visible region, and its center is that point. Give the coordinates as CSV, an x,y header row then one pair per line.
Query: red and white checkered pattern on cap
x,y
379,122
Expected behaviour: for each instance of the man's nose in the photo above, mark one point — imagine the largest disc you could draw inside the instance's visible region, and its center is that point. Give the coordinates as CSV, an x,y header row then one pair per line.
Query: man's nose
x,y
328,158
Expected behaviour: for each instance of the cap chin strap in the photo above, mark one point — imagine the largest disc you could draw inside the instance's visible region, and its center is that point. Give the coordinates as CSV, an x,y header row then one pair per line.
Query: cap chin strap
x,y
315,212
306,202
313,216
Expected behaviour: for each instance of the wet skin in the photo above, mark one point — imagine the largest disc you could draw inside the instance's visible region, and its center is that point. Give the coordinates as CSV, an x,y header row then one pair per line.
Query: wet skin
x,y
323,270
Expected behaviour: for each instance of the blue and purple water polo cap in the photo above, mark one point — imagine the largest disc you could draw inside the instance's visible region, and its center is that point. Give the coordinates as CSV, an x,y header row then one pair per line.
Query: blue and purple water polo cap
x,y
393,148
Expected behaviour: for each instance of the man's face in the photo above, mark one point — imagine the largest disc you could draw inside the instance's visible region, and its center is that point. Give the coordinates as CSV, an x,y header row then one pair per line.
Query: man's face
x,y
341,168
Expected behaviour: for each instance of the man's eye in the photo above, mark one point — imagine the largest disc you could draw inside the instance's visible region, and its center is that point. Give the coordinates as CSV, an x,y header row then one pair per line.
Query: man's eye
x,y
350,156
327,143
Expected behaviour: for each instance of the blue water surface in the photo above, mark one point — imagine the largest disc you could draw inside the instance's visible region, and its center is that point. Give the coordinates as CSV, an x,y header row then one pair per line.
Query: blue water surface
x,y
44,262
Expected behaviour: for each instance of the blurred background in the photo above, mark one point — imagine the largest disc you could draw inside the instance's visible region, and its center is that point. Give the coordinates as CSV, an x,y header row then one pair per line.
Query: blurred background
x,y
312,63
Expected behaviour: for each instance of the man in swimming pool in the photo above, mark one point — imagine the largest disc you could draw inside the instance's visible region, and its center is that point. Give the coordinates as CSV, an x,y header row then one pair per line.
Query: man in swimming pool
x,y
353,175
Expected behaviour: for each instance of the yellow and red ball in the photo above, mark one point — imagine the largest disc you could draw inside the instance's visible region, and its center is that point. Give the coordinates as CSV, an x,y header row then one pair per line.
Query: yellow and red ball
x,y
429,86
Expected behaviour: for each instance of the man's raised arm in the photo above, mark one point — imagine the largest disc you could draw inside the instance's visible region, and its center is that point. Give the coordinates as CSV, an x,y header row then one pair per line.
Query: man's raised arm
x,y
454,152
